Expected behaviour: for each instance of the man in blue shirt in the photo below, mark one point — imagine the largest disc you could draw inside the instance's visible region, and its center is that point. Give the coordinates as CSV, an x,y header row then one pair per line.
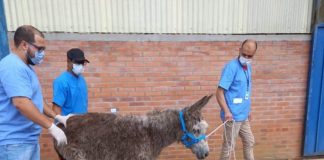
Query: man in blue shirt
x,y
234,97
21,99
70,92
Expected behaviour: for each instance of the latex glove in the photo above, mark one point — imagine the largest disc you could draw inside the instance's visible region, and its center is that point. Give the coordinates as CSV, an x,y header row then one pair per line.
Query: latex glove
x,y
63,119
58,134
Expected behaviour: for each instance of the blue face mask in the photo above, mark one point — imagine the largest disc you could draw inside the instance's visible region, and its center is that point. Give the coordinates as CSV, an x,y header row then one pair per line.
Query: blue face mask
x,y
38,59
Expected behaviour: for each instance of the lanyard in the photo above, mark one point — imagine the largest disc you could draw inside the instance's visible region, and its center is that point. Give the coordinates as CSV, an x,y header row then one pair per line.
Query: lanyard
x,y
246,73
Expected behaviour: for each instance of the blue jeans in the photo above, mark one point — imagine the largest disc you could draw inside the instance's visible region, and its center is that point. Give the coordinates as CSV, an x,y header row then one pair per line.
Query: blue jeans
x,y
24,151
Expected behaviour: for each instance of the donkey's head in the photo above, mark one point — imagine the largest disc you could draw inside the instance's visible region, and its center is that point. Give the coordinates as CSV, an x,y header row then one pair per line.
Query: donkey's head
x,y
194,128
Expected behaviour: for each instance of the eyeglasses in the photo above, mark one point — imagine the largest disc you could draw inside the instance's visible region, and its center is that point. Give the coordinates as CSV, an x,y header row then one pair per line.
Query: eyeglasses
x,y
39,48
247,56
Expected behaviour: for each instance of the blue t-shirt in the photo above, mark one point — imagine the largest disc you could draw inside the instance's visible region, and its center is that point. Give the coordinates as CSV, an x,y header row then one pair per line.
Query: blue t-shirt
x,y
236,83
70,92
18,79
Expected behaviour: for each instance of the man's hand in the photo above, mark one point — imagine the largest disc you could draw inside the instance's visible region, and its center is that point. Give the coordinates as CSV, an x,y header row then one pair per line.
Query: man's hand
x,y
228,116
250,117
58,134
63,119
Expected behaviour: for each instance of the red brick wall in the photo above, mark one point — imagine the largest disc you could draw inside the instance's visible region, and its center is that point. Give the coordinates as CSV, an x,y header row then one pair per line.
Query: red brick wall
x,y
137,77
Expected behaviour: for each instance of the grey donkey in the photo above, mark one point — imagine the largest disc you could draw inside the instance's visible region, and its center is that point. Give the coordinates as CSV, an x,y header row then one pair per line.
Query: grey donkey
x,y
107,136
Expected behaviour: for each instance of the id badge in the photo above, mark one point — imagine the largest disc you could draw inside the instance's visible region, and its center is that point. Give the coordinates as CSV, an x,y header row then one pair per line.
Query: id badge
x,y
247,95
237,100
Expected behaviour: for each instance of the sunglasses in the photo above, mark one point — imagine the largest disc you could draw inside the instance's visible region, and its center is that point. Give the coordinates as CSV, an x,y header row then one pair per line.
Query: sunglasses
x,y
39,48
247,56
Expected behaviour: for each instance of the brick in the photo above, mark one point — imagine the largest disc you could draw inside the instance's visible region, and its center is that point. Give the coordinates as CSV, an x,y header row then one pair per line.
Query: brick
x,y
137,77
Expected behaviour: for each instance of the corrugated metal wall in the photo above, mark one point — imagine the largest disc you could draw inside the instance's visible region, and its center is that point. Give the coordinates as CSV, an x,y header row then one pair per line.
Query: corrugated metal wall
x,y
162,16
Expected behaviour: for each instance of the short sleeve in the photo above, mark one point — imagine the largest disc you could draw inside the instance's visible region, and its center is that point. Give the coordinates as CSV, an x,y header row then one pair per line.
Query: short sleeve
x,y
59,93
227,76
16,82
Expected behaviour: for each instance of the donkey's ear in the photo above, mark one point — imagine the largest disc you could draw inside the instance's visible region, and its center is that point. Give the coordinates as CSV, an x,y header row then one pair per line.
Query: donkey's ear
x,y
199,104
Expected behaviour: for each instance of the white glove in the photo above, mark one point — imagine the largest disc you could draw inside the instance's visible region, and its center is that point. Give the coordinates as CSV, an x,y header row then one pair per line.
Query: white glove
x,y
63,119
58,134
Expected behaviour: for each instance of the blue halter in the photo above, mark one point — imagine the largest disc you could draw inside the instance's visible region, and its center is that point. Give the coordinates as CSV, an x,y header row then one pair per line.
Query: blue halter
x,y
188,139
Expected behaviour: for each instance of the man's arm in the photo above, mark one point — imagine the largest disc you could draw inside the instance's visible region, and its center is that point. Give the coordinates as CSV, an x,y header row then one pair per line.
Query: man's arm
x,y
57,109
222,103
28,109
57,114
48,111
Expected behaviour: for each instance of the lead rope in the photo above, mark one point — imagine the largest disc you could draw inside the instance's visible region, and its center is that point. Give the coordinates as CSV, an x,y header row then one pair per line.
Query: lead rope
x,y
212,132
232,147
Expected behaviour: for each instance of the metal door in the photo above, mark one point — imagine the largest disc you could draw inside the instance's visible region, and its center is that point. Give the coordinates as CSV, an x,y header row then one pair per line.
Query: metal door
x,y
4,48
314,124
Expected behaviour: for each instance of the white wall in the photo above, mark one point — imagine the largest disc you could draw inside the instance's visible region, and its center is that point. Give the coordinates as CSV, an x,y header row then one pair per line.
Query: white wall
x,y
162,16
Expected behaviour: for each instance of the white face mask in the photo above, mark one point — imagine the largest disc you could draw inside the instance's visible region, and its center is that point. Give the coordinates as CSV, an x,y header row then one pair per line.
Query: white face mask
x,y
78,69
244,61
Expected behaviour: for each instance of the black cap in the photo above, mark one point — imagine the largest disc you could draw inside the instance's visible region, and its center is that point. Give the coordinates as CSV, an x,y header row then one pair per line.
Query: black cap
x,y
76,55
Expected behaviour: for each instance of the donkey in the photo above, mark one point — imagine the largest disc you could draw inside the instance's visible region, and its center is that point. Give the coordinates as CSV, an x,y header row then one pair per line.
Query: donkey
x,y
107,136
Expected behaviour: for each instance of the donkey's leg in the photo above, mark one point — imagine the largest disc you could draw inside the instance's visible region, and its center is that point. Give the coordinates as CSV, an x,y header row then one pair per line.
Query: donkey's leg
x,y
145,157
72,152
